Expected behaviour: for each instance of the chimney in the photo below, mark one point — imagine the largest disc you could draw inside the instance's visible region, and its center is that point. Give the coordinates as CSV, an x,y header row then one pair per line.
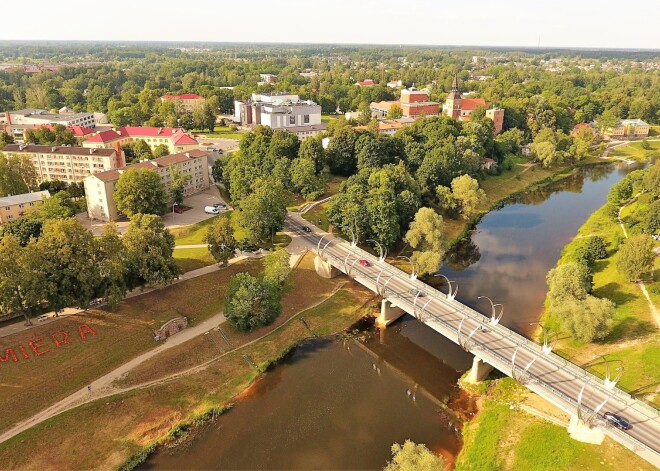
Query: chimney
x,y
8,117
53,149
160,130
188,154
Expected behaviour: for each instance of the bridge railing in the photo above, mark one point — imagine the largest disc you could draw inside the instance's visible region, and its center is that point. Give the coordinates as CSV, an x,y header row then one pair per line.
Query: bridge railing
x,y
517,339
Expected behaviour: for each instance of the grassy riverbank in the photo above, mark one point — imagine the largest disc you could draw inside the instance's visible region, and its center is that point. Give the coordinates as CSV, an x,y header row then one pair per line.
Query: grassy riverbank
x,y
503,437
119,429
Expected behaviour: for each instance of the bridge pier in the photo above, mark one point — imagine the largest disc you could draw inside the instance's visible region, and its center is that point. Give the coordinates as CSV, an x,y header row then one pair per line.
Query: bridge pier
x,y
479,371
324,269
388,313
583,432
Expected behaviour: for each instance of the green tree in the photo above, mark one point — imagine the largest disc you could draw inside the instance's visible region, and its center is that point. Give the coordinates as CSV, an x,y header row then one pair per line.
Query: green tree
x,y
590,249
283,144
651,182
304,180
221,241
5,139
620,192
395,112
585,319
413,457
312,149
447,201
426,237
651,221
161,150
277,267
23,229
466,190
149,249
17,174
204,117
58,206
22,280
636,257
67,248
341,152
251,303
111,258
140,191
569,280
141,150
179,181
59,136
262,213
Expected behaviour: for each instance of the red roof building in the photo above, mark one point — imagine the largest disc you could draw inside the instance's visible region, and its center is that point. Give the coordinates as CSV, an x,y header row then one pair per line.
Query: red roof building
x,y
77,131
176,139
461,108
365,83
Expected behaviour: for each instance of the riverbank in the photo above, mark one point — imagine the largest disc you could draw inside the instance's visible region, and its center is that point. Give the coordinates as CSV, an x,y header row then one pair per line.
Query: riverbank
x,y
168,396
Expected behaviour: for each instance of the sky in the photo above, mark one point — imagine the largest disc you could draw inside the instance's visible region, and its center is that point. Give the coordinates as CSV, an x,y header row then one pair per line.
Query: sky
x,y
557,23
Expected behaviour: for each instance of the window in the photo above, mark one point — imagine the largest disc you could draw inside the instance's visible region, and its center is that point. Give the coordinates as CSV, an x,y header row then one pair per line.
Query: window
x,y
306,119
21,206
292,120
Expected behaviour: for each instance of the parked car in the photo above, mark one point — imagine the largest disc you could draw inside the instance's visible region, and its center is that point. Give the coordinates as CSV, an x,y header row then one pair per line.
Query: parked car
x,y
364,263
211,210
220,205
618,421
416,292
178,209
306,229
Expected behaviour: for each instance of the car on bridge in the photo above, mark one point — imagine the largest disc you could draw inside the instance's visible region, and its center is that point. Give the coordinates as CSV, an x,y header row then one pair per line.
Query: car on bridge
x,y
306,229
364,263
617,421
416,292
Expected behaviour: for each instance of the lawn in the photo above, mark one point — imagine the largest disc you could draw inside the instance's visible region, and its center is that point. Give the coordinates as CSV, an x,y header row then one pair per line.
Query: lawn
x,y
223,132
634,151
192,259
194,234
118,337
326,118
134,421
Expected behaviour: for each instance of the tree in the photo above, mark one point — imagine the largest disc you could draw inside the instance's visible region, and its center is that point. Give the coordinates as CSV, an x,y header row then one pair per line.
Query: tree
x,y
304,180
426,237
620,192
17,174
636,257
466,190
140,191
651,182
112,262
204,117
312,149
59,136
341,152
585,319
5,139
161,150
58,206
447,201
413,457
67,248
220,238
589,249
262,213
141,150
149,249
179,181
250,302
283,144
569,280
23,229
22,280
395,112
651,220
277,267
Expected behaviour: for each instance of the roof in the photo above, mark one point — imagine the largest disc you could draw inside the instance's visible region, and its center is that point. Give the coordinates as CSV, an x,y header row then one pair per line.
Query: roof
x,y
114,174
636,122
24,198
141,132
472,103
185,96
60,150
366,83
309,127
383,105
78,131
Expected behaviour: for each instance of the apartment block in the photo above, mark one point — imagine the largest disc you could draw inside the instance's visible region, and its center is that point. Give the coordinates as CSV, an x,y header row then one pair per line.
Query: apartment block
x,y
14,207
176,139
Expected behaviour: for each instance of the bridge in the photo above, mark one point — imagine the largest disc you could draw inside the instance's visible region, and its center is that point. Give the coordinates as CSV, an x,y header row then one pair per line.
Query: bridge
x,y
581,394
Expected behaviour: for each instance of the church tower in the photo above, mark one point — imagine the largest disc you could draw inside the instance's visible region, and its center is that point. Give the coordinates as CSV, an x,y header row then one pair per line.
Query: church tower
x,y
453,102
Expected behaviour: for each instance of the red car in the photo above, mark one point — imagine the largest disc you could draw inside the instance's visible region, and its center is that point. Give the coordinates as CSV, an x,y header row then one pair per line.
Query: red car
x,y
178,210
364,262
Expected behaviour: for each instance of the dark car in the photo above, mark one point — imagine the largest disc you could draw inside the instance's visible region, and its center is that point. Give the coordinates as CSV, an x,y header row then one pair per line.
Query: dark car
x,y
416,292
220,206
617,421
306,229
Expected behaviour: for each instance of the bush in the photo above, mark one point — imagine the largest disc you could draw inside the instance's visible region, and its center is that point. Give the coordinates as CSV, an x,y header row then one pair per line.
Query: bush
x,y
251,303
590,249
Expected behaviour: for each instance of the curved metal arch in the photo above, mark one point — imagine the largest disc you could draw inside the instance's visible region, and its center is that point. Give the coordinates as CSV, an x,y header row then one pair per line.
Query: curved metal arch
x,y
495,316
423,310
325,246
513,364
451,295
382,251
609,382
413,274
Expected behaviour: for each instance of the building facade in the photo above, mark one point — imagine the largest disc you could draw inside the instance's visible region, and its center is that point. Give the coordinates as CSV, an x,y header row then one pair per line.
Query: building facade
x,y
460,108
416,103
68,164
14,207
100,187
628,128
34,117
186,102
176,139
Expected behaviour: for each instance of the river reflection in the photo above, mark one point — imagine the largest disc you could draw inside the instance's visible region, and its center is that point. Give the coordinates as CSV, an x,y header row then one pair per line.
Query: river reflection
x,y
337,405
513,248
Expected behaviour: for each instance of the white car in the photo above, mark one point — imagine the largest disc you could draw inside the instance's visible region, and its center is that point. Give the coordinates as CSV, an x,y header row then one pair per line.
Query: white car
x,y
211,210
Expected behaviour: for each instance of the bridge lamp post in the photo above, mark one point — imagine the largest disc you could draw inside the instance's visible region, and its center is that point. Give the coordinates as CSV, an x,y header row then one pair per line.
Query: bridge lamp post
x,y
413,273
549,337
494,316
382,251
354,239
451,295
609,382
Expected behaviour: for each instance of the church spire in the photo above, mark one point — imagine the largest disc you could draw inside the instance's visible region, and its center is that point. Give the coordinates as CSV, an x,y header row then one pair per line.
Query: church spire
x,y
454,84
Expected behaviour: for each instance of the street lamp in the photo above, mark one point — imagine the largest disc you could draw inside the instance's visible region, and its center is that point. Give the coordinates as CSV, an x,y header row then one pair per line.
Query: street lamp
x,y
413,273
549,337
494,316
451,295
610,383
174,206
382,251
354,239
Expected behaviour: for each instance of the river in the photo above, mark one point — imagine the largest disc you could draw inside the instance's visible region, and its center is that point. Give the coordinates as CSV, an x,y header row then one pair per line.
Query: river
x,y
341,404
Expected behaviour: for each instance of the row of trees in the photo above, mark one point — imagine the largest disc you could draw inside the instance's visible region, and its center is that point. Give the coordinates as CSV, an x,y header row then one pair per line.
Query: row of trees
x,y
65,265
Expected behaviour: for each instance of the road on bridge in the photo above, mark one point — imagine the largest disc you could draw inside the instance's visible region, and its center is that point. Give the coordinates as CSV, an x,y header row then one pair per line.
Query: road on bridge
x,y
545,373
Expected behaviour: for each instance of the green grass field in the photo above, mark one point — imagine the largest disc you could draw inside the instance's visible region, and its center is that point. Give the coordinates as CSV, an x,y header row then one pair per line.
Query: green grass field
x,y
194,234
634,151
192,259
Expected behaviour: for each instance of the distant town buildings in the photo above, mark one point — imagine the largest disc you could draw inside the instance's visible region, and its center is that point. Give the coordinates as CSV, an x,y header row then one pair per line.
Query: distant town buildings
x,y
68,164
414,103
389,126
16,123
628,128
14,207
365,83
176,139
395,84
186,102
100,187
268,79
280,111
461,108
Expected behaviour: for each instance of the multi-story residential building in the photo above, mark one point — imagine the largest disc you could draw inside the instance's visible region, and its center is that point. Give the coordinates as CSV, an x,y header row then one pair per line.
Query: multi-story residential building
x,y
100,187
176,139
268,78
33,116
628,128
186,102
68,164
14,207
416,103
460,108
280,111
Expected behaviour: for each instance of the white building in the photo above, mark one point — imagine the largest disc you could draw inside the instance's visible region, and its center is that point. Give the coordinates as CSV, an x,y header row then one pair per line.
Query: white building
x,y
35,117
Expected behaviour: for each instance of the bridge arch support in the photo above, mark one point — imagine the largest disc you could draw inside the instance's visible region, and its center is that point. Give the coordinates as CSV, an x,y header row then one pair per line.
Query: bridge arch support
x,y
388,313
324,269
479,371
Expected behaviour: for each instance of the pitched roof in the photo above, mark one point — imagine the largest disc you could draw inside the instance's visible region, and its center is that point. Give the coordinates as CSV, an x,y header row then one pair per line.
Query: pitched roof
x,y
472,103
76,130
383,105
366,83
176,134
23,198
60,150
114,174
185,96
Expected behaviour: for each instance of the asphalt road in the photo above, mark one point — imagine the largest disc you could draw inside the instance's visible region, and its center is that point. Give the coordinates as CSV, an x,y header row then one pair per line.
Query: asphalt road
x,y
547,374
